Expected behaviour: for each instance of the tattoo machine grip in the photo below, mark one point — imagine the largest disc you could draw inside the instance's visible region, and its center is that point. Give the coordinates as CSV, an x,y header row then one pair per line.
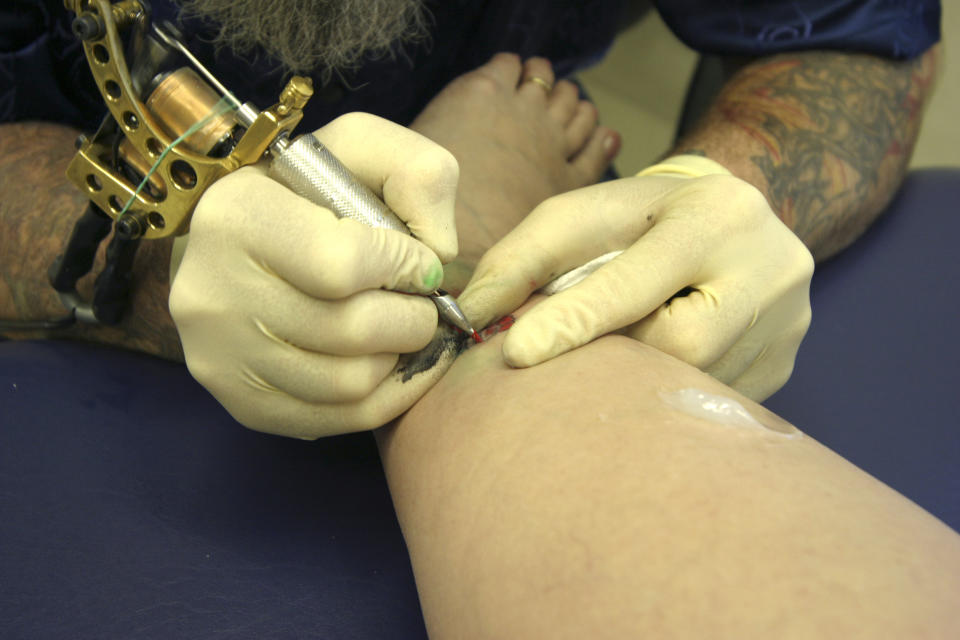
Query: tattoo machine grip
x,y
310,170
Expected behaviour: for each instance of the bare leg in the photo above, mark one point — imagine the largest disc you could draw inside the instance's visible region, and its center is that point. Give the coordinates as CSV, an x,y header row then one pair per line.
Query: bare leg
x,y
517,144
571,500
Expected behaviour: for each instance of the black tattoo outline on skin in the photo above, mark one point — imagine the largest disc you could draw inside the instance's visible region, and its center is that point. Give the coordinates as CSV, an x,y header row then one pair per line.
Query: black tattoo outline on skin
x,y
446,341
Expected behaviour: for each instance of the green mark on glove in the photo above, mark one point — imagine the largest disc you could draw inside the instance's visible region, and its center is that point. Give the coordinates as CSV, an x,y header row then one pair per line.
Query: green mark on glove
x,y
434,277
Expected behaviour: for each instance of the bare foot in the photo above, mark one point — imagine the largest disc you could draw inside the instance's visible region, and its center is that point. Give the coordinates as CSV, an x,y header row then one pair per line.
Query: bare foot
x,y
518,142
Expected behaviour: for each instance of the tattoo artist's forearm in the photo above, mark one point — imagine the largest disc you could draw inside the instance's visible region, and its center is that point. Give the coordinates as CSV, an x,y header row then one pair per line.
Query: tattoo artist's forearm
x,y
38,208
826,136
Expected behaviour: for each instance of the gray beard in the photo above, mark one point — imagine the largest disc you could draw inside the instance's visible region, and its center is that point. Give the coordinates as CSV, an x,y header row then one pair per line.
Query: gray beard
x,y
315,36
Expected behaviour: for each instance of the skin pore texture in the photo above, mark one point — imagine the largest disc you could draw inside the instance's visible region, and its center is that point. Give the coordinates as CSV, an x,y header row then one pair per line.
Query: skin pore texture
x,y
602,510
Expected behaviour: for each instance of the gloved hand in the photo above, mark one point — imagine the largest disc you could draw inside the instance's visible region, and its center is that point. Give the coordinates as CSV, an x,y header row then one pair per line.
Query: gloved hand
x,y
290,316
685,225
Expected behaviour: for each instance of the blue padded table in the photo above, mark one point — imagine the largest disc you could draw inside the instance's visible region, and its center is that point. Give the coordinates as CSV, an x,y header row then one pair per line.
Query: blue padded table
x,y
877,377
133,506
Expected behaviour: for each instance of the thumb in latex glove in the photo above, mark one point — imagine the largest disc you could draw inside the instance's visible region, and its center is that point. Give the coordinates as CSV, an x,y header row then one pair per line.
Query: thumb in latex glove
x,y
684,226
293,318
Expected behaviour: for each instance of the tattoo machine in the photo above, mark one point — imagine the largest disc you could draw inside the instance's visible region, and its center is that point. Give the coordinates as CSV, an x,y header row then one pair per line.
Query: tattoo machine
x,y
172,130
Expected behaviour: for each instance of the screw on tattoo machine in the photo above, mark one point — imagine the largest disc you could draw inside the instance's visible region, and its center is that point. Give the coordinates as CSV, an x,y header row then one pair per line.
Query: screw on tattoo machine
x,y
172,130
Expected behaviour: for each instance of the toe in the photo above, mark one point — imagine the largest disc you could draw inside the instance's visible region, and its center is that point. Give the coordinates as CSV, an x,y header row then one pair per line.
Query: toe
x,y
505,68
537,78
563,102
597,154
580,127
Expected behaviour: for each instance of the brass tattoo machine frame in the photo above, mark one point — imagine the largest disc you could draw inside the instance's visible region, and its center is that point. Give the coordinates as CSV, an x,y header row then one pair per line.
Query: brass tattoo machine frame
x,y
171,131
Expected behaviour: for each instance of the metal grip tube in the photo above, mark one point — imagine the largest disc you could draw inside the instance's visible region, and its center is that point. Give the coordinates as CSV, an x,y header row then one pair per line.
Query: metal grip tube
x,y
311,171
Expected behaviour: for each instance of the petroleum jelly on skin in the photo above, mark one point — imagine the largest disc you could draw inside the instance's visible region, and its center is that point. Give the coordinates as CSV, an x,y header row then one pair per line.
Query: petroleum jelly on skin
x,y
719,409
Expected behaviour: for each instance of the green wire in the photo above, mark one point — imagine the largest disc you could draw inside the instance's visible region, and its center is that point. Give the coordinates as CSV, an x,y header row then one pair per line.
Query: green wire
x,y
222,106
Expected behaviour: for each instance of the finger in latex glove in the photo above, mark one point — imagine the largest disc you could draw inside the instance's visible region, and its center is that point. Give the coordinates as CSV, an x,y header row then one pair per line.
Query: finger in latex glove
x,y
294,319
685,226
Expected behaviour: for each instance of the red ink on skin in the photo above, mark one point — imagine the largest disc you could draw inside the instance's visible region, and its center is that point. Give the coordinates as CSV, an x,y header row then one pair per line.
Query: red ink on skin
x,y
733,115
761,139
766,93
499,326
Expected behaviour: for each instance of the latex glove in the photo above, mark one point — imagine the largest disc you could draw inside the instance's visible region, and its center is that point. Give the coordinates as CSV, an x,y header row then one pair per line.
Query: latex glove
x,y
685,223
290,316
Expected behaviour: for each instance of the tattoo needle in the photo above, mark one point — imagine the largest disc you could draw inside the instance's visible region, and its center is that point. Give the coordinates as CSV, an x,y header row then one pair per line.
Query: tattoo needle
x,y
450,312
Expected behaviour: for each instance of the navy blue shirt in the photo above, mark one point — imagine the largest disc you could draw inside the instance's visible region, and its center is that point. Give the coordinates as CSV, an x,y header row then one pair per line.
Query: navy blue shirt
x,y
899,29
44,76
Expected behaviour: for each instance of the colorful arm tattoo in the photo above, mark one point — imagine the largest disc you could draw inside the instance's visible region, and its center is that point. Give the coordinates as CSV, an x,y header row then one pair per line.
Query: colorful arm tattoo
x,y
826,136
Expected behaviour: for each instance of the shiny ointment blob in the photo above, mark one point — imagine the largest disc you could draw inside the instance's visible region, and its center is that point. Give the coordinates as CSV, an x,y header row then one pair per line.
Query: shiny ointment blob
x,y
722,410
